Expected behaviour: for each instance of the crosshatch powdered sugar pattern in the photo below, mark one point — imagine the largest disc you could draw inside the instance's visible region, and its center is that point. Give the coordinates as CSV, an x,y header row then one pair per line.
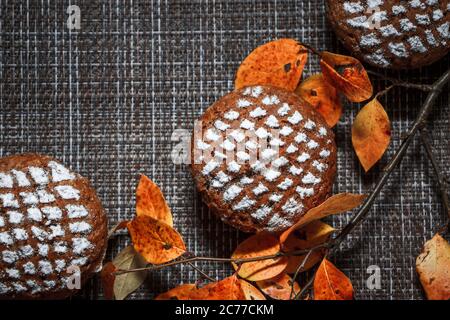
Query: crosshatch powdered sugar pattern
x,y
105,100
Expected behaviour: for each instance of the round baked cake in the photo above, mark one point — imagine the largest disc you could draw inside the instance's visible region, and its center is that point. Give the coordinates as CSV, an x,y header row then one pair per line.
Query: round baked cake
x,y
392,33
262,157
52,228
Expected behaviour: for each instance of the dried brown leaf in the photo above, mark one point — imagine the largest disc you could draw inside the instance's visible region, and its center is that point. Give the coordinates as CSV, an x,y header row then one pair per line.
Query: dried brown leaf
x,y
433,267
108,278
127,283
347,75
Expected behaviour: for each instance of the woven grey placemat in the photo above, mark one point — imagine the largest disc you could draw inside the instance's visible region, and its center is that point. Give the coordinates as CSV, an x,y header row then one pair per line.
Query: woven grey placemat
x,y
106,99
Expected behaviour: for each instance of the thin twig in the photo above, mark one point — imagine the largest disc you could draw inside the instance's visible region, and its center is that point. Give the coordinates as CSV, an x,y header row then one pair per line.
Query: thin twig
x,y
238,261
400,83
203,273
297,271
440,177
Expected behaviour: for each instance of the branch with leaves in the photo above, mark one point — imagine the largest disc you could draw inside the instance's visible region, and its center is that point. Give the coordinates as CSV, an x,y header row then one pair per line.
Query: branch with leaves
x,y
264,262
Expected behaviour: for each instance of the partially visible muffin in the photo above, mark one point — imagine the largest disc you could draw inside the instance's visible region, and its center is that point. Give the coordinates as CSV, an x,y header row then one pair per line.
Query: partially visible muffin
x,y
262,157
52,228
391,33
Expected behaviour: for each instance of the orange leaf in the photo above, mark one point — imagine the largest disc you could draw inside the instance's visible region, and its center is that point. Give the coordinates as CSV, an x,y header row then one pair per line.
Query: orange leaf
x,y
250,292
433,267
371,133
178,293
156,241
279,287
150,201
108,277
258,245
347,75
335,204
277,63
330,283
309,236
226,289
322,96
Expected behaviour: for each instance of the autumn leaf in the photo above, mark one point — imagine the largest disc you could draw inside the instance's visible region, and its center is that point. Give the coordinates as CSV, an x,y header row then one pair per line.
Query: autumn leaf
x,y
331,284
336,204
311,235
371,133
150,201
127,283
156,241
322,96
279,287
250,292
433,267
277,63
347,75
226,289
181,292
108,278
258,245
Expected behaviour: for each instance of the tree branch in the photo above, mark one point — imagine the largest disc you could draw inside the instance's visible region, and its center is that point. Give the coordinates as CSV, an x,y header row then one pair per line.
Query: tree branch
x,y
418,124
424,135
332,245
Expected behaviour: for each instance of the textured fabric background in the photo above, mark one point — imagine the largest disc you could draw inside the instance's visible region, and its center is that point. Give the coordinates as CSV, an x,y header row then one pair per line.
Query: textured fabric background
x,y
105,100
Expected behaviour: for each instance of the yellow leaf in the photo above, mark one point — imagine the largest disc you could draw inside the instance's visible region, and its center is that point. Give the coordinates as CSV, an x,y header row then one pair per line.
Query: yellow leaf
x,y
371,133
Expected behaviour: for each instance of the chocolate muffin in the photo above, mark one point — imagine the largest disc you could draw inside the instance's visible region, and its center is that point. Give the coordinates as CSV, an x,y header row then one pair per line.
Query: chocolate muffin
x,y
391,33
262,157
51,224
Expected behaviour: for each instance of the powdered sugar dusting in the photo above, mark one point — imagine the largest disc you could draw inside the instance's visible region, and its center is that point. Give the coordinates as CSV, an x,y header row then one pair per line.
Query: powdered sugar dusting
x,y
45,228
